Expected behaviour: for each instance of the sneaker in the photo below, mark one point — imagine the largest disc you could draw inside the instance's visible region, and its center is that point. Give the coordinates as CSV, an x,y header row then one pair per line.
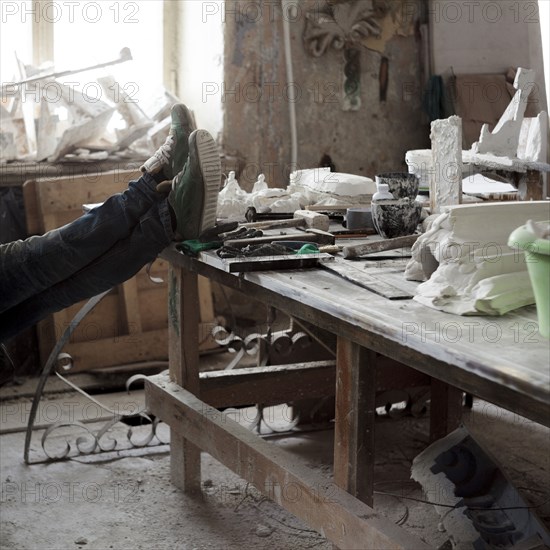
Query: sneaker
x,y
194,195
171,156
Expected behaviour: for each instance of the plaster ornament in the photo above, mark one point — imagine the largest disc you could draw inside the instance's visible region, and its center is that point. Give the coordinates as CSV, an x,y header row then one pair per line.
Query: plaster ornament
x,y
466,263
232,199
504,139
231,189
344,25
446,179
260,184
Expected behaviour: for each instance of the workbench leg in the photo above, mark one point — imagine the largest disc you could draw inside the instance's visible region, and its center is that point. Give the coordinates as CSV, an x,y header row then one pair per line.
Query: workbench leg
x,y
354,423
445,409
183,335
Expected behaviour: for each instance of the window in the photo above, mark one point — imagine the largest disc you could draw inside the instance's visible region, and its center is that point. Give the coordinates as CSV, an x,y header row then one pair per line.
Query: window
x,y
78,34
15,36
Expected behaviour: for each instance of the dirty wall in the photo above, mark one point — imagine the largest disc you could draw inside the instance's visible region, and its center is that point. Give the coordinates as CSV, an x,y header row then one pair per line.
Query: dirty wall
x,y
358,82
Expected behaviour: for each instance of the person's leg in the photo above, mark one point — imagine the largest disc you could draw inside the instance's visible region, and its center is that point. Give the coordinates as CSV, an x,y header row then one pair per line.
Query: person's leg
x,y
121,262
190,208
30,266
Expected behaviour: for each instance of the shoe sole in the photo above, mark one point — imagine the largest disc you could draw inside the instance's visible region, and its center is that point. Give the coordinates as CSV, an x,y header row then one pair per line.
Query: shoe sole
x,y
210,166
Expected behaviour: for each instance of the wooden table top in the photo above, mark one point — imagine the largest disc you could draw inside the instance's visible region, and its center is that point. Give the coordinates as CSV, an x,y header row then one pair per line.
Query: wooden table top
x,y
503,360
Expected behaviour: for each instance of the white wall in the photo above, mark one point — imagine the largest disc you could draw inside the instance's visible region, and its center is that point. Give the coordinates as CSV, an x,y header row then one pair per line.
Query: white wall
x,y
200,67
485,36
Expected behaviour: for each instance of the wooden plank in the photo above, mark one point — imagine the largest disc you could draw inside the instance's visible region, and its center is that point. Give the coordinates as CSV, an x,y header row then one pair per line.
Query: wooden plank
x,y
366,280
278,474
319,237
183,338
33,215
268,385
354,422
269,263
206,303
129,298
71,192
119,350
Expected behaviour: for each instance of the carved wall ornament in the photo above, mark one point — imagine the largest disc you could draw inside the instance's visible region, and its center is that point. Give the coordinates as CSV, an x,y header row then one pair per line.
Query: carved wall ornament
x,y
345,26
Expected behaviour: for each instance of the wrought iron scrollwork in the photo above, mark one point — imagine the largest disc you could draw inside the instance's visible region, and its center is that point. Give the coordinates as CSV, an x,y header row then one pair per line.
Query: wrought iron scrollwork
x,y
91,441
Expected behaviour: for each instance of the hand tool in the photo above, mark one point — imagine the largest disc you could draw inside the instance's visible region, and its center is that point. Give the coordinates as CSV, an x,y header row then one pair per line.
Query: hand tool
x,y
356,251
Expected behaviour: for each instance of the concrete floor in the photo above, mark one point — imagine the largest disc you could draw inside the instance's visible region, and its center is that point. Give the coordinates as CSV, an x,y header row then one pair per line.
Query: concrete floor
x,y
125,500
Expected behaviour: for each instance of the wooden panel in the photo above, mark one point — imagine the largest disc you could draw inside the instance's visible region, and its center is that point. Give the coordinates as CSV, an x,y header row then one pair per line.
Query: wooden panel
x,y
340,517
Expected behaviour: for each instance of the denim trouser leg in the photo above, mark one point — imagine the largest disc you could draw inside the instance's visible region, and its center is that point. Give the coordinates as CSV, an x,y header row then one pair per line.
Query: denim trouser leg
x,y
122,261
28,267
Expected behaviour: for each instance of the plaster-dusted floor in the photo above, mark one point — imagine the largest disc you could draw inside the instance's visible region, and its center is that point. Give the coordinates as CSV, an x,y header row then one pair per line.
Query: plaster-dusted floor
x,y
129,503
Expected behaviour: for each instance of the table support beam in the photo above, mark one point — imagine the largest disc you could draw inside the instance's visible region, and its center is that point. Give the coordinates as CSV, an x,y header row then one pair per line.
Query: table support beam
x,y
341,518
183,334
445,409
354,423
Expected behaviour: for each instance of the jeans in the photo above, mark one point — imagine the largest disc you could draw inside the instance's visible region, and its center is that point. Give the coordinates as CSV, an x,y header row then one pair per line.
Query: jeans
x,y
103,248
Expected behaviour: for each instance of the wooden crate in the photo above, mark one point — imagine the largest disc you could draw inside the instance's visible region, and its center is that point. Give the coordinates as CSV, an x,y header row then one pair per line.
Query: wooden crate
x,y
130,325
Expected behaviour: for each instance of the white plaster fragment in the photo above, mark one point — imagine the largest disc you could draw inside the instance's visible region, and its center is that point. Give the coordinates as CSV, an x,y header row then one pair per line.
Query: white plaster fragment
x,y
533,138
504,139
320,185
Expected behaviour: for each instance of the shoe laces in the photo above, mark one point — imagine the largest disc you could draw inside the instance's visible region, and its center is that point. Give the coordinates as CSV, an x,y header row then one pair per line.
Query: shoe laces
x,y
163,153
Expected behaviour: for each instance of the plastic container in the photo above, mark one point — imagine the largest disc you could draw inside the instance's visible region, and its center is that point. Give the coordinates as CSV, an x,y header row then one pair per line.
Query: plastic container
x,y
537,257
383,193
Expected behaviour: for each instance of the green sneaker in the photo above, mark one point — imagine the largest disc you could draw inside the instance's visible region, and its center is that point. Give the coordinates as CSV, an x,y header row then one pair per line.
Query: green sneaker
x,y
194,195
171,156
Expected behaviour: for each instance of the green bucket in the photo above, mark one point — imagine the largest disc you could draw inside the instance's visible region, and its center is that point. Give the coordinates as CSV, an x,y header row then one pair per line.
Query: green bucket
x,y
537,258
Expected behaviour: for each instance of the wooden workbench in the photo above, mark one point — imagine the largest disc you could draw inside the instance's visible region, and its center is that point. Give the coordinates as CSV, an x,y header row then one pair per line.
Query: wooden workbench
x,y
502,360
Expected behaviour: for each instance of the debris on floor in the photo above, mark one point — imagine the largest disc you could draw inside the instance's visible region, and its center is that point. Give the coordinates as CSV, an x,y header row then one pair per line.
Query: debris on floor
x,y
479,507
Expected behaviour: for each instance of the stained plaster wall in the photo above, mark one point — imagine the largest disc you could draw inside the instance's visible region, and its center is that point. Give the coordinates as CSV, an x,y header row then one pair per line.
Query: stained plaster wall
x,y
256,117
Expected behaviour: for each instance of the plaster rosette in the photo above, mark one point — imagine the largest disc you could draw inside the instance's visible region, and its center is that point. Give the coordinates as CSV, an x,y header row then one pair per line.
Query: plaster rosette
x,y
465,263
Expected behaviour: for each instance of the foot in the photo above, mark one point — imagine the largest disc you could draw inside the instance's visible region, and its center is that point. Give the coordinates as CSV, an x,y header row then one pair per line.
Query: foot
x,y
171,156
194,195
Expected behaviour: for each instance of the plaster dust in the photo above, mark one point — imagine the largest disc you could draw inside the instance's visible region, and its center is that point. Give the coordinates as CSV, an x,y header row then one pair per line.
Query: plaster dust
x,y
129,503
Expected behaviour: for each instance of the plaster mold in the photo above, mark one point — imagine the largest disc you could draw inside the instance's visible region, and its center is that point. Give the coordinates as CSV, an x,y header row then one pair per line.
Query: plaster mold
x,y
466,263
